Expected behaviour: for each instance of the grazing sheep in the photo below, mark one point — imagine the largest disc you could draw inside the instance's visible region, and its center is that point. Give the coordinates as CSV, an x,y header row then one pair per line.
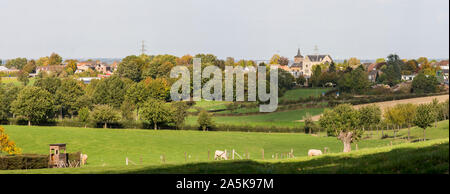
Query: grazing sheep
x,y
83,158
313,152
220,155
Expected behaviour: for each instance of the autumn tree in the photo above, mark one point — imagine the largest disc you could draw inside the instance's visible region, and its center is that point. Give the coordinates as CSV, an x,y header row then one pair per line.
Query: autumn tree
x,y
275,59
7,145
54,59
283,61
22,76
344,122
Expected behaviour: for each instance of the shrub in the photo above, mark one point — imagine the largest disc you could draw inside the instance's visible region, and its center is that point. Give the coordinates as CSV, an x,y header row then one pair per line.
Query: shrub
x,y
25,161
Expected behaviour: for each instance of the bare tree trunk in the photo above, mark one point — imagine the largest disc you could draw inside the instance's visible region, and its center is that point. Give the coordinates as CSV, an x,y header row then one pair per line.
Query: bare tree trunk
x,y
29,123
156,126
346,138
106,125
423,134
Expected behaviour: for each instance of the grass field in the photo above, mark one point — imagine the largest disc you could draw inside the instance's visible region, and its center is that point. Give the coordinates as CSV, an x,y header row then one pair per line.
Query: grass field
x,y
7,80
295,94
107,148
410,158
279,119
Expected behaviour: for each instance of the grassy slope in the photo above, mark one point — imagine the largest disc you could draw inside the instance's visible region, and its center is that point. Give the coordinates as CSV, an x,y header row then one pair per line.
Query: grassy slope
x,y
423,157
295,94
282,119
108,148
6,80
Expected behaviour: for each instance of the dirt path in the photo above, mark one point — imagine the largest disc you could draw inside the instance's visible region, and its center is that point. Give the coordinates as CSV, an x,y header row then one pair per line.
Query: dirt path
x,y
384,105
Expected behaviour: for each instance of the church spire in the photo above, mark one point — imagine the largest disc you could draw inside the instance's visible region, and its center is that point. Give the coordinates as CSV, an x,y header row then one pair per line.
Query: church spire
x,y
298,53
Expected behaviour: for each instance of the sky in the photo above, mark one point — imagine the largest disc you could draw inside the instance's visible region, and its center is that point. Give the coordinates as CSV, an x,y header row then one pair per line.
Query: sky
x,y
243,29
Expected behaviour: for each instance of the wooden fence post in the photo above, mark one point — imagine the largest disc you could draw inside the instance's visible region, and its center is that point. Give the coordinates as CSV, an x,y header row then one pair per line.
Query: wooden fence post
x,y
263,154
232,157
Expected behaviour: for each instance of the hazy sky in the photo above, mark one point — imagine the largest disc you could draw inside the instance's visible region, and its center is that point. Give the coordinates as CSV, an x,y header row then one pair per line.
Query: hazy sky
x,y
248,29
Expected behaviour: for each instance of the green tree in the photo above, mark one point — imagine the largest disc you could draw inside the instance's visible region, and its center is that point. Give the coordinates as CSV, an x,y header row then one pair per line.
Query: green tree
x,y
370,116
354,82
131,67
332,67
179,110
204,120
22,76
17,63
424,117
67,95
423,84
54,59
310,126
344,122
300,80
105,114
84,115
34,104
392,72
50,84
155,112
30,67
8,93
110,91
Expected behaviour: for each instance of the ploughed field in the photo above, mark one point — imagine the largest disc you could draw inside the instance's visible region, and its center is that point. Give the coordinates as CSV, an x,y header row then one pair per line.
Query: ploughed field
x,y
108,148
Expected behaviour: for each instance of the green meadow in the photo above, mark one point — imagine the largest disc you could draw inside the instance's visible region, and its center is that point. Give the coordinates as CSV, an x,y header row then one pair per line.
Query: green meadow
x,y
108,148
280,119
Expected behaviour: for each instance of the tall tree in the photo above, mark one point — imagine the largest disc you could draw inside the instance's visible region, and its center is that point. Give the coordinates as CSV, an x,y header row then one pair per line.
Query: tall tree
x,y
105,114
424,117
67,95
131,67
54,59
34,104
155,112
179,113
110,91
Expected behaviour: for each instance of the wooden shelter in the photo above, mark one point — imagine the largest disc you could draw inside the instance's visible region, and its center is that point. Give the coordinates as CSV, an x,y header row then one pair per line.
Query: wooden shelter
x,y
58,156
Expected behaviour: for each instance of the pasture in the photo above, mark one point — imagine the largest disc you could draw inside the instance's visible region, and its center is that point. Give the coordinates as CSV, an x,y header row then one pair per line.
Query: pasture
x,y
280,119
298,93
108,148
13,80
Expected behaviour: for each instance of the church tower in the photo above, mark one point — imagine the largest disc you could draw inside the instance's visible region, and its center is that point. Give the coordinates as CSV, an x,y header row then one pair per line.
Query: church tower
x,y
298,58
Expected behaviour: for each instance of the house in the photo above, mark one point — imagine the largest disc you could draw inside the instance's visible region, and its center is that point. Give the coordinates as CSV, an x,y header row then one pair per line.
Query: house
x,y
50,68
444,69
97,66
408,77
305,64
6,70
87,80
